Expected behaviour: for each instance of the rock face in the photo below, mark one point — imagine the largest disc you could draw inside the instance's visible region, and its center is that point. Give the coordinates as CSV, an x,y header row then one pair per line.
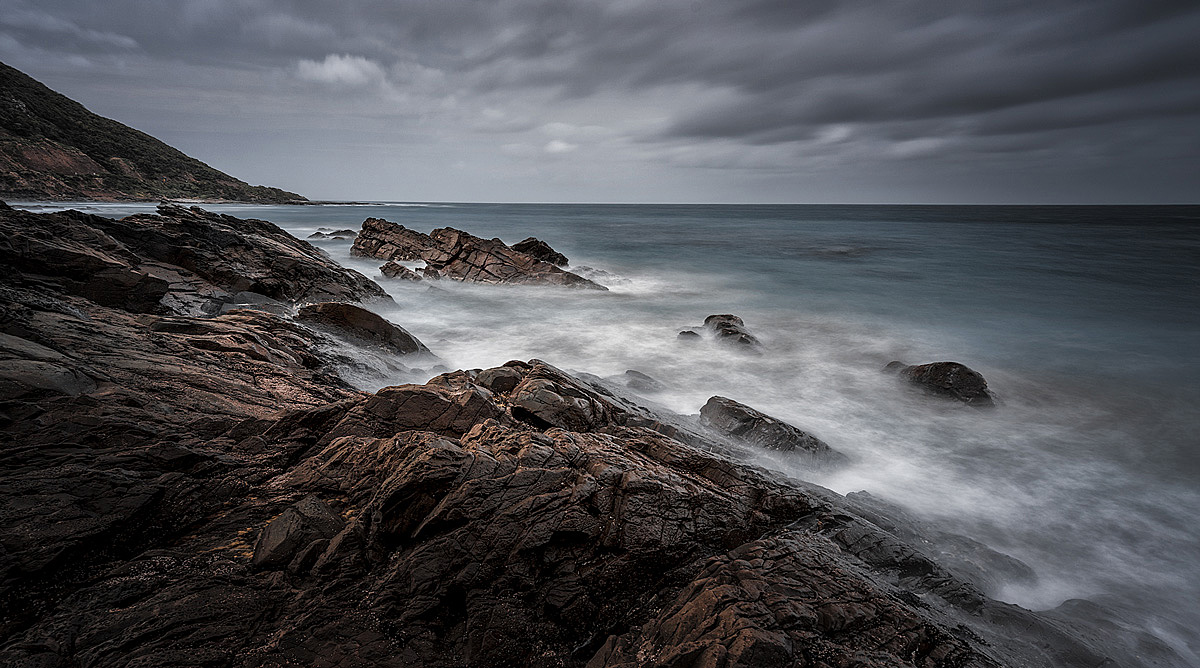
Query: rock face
x,y
454,254
540,250
360,323
759,429
948,379
399,272
185,490
51,147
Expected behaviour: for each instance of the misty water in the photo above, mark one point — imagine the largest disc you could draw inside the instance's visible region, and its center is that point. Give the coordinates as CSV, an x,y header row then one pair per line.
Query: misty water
x,y
1084,320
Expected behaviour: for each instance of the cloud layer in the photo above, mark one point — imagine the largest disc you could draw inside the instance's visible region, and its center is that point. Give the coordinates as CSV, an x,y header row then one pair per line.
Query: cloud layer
x,y
667,100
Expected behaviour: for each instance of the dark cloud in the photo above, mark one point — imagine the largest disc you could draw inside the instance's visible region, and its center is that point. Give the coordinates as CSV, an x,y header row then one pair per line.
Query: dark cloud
x,y
674,85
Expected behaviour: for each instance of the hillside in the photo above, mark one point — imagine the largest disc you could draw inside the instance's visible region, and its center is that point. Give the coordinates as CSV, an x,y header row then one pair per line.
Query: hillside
x,y
52,147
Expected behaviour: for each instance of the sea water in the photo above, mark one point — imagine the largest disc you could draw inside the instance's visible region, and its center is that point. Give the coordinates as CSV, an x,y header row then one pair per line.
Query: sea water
x,y
1084,320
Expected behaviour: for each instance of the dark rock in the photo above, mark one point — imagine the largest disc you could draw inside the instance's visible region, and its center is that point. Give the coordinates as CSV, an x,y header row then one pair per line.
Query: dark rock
x,y
340,235
948,379
540,250
762,430
398,271
689,335
386,240
640,382
730,329
309,520
451,253
465,257
362,324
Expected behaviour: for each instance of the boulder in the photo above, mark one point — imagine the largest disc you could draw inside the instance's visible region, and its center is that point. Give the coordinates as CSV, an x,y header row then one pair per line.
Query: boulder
x,y
640,382
730,329
398,271
540,250
756,428
359,323
947,379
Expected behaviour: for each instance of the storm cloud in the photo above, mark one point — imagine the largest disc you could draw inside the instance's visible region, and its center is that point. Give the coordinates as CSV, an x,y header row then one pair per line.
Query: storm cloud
x,y
669,100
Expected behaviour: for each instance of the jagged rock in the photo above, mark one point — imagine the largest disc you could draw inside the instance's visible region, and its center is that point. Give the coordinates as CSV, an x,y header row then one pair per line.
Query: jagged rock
x,y
730,328
360,323
540,250
465,257
948,379
302,524
451,253
386,240
398,271
747,424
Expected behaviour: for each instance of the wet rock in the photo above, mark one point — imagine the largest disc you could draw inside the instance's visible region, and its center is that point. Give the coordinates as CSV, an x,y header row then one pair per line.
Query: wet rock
x,y
340,235
454,254
362,324
948,379
730,329
400,272
762,430
640,382
540,250
689,336
386,240
465,257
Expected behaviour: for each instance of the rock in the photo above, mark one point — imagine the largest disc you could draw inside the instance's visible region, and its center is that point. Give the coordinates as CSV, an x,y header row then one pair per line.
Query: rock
x,y
297,527
386,240
340,235
465,257
689,336
948,379
360,323
540,250
640,382
454,254
743,422
730,328
398,271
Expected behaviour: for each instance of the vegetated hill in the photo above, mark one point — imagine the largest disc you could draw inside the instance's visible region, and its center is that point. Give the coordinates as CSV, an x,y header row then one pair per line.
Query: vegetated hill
x,y
51,147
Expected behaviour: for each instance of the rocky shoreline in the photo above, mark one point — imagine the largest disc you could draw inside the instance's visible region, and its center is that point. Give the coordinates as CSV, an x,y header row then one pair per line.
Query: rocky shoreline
x,y
189,479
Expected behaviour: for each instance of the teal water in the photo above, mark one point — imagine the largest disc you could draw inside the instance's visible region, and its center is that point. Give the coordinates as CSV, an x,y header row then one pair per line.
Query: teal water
x,y
1085,320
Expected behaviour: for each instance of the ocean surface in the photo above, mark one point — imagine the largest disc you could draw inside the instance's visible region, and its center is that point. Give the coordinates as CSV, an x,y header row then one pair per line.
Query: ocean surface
x,y
1084,320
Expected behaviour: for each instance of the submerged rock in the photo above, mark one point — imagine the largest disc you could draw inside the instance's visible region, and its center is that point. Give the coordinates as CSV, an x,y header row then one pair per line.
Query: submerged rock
x,y
640,382
540,250
731,329
747,424
948,379
340,235
360,323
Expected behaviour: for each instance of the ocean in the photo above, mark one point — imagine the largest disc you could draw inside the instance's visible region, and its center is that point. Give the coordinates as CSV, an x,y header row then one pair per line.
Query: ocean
x,y
1084,320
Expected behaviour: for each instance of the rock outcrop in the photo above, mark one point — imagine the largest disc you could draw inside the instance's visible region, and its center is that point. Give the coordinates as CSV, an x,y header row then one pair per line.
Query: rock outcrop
x,y
540,250
761,430
457,255
947,379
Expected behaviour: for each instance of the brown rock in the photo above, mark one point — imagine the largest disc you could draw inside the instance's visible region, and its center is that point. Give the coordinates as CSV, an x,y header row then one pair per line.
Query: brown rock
x,y
465,257
361,324
398,271
386,240
747,424
540,250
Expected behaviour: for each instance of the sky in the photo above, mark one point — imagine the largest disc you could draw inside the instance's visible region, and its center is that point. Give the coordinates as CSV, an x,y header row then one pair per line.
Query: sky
x,y
805,101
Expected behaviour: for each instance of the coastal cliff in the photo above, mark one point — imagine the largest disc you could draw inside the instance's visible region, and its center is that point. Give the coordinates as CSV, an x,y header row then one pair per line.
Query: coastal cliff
x,y
188,479
51,147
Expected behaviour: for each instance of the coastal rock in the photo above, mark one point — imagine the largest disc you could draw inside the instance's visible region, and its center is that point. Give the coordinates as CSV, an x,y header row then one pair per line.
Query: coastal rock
x,y
465,257
340,235
540,250
308,520
640,382
747,424
688,335
362,324
386,240
730,328
454,254
948,379
400,272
